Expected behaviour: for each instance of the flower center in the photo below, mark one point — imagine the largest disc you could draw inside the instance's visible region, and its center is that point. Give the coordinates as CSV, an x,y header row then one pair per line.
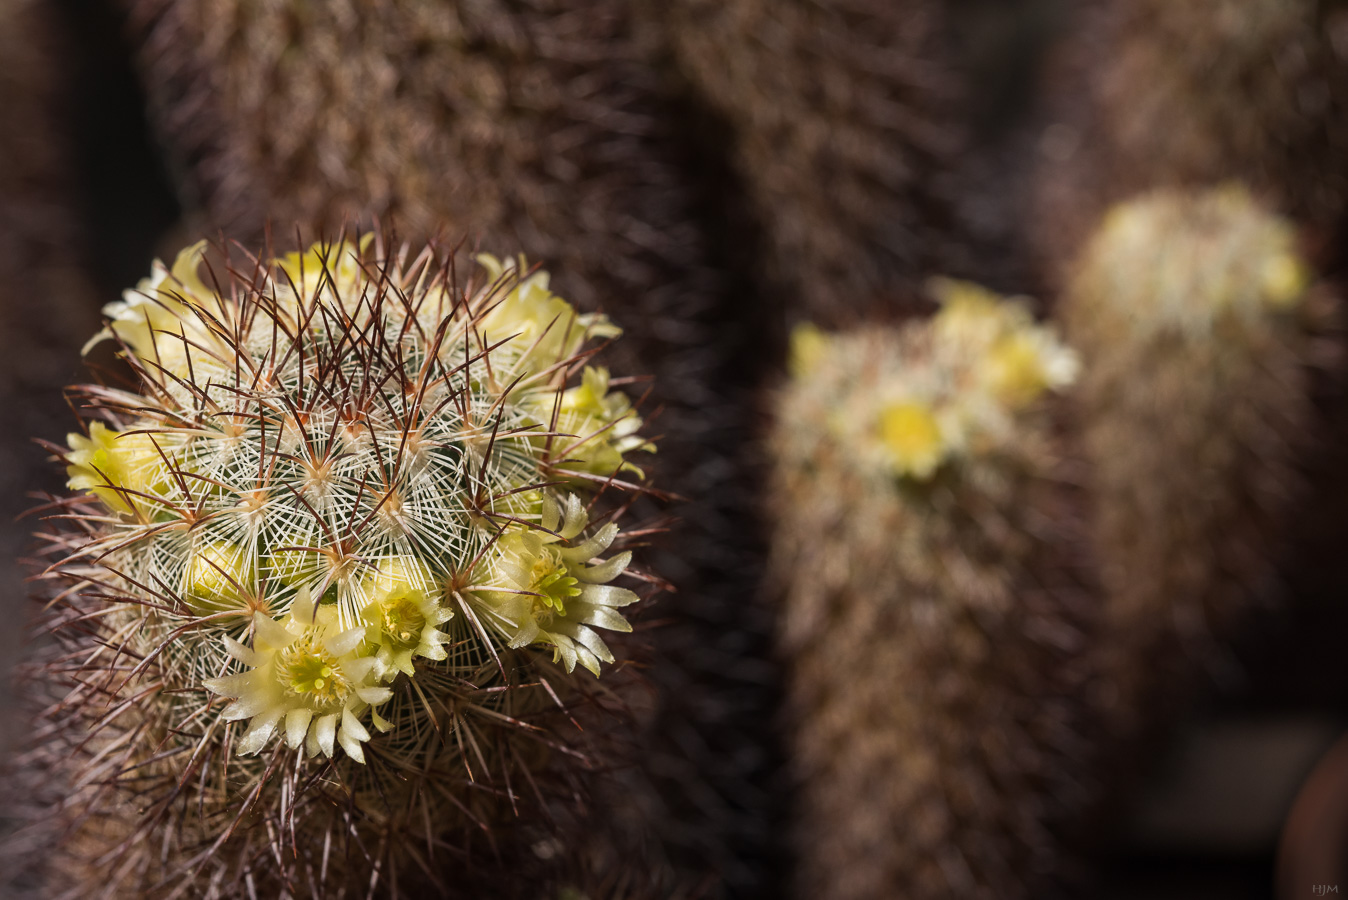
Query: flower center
x,y
402,623
551,581
308,671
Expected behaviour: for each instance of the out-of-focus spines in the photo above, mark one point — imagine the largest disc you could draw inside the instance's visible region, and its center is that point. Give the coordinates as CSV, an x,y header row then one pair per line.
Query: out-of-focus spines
x,y
1154,95
834,116
930,628
1195,315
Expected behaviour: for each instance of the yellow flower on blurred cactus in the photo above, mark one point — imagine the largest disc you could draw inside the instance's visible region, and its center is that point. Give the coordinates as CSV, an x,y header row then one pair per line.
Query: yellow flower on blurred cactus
x,y
808,346
1284,280
912,439
971,316
904,402
1021,365
1223,254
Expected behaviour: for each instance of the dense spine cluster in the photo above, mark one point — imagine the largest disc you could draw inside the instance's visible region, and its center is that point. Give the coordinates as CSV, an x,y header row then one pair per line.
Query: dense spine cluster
x,y
930,630
1193,312
348,504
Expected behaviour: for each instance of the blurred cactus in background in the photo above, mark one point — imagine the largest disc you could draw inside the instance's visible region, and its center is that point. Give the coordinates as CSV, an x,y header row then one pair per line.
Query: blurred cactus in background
x,y
833,113
1191,312
1254,89
348,507
930,629
1193,94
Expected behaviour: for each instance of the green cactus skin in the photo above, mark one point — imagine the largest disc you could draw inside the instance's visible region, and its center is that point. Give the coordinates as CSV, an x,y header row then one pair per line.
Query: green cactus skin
x,y
1192,312
933,639
1192,94
346,497
832,111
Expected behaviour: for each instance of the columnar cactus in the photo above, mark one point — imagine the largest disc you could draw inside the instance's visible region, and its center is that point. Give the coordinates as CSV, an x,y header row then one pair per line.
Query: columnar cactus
x,y
336,557
832,112
928,628
1252,89
1191,311
1188,95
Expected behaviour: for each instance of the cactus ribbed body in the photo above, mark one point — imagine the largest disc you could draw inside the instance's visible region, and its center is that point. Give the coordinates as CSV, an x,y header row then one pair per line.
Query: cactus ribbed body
x,y
1251,89
344,510
930,639
1189,311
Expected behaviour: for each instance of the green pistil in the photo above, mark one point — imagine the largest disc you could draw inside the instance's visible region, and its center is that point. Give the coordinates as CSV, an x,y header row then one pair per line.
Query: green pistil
x,y
553,583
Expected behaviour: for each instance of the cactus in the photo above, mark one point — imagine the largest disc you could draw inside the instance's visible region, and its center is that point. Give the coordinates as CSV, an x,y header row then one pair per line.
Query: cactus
x,y
1191,311
1248,89
322,599
1193,94
542,125
832,113
931,635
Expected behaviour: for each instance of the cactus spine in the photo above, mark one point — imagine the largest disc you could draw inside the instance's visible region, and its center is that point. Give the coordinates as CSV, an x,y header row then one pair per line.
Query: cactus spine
x,y
929,639
321,604
1190,310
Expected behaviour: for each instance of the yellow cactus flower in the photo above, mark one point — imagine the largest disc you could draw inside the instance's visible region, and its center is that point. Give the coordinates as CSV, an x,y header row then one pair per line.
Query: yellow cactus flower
x,y
598,428
303,675
544,327
1020,366
542,591
912,439
402,613
809,346
151,321
320,271
1283,280
125,471
972,317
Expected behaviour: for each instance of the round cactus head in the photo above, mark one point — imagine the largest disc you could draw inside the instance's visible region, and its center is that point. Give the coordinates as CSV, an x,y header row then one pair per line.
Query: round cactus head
x,y
339,481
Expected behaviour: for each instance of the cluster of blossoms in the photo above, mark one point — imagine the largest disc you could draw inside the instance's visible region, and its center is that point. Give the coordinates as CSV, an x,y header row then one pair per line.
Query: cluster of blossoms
x,y
337,469
1223,230
907,402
